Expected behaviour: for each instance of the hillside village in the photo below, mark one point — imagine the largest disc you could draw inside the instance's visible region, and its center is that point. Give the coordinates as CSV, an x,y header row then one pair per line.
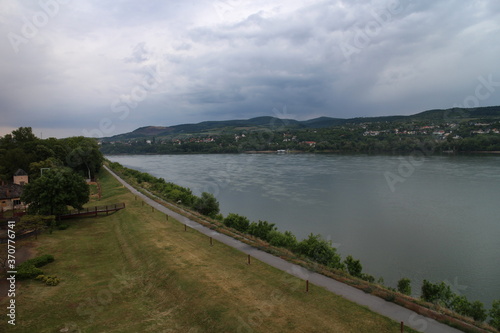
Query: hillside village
x,y
381,137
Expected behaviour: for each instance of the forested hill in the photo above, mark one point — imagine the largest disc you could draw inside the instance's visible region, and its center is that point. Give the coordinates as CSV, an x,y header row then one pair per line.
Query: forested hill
x,y
454,129
455,114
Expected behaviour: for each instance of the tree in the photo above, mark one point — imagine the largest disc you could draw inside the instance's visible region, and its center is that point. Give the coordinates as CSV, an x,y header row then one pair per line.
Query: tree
x,y
23,135
477,311
51,193
437,293
207,205
495,314
460,305
320,251
83,155
286,239
353,266
238,222
404,286
261,229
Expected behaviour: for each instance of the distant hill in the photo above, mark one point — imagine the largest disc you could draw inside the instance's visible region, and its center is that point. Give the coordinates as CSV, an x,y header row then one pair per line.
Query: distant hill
x,y
268,122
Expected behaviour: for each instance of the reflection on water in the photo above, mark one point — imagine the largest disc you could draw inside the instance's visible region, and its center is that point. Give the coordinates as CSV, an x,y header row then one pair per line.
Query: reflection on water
x,y
441,222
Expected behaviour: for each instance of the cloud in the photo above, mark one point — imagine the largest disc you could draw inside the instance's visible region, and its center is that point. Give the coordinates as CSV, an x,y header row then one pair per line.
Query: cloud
x,y
136,64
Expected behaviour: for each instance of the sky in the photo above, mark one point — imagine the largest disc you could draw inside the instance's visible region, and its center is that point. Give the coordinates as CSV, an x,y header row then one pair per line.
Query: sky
x,y
101,68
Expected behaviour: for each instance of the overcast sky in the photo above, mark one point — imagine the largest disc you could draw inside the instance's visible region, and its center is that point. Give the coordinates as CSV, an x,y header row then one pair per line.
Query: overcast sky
x,y
105,67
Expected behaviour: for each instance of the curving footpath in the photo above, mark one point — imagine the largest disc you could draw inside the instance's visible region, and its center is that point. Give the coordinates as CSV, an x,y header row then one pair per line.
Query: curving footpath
x,y
374,303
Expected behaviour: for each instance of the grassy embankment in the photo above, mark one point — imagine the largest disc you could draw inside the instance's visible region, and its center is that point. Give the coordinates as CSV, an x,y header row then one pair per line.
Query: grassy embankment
x,y
133,271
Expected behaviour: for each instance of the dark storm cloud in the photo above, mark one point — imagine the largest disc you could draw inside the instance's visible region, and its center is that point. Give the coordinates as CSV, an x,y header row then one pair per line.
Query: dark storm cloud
x,y
110,67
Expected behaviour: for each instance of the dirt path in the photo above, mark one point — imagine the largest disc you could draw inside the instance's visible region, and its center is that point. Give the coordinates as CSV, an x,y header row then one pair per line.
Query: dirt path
x,y
376,304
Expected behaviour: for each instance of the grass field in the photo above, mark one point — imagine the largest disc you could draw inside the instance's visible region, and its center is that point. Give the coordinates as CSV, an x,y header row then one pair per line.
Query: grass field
x,y
134,271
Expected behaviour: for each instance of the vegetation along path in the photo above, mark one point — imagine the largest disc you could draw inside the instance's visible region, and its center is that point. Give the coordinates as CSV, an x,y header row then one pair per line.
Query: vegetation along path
x,y
376,304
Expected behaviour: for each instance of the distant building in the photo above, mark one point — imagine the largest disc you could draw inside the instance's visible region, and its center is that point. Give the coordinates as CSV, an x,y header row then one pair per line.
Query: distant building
x,y
10,194
20,177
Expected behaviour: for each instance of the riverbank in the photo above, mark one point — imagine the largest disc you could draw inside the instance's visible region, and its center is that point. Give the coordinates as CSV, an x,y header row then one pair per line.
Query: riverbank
x,y
136,271
429,310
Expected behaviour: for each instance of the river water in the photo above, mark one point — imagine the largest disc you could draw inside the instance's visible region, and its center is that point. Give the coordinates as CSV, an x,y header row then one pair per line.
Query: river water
x,y
434,218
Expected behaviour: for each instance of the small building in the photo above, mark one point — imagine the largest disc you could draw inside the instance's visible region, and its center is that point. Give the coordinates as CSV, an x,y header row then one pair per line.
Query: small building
x,y
10,197
20,177
10,194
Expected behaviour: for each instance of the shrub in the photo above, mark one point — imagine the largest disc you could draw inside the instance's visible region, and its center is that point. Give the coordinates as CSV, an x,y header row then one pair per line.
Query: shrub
x,y
238,222
286,240
50,280
477,311
404,286
353,266
63,226
261,229
40,261
30,268
207,205
437,293
27,272
368,277
495,315
320,251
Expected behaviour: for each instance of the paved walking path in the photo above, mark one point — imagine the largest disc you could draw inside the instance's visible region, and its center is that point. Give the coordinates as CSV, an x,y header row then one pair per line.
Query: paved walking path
x,y
376,304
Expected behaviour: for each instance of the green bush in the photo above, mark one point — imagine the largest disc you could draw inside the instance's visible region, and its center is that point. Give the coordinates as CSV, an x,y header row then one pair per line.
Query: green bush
x,y
495,315
40,261
354,266
27,272
437,293
320,250
50,280
30,268
238,222
62,226
404,286
368,277
261,229
286,239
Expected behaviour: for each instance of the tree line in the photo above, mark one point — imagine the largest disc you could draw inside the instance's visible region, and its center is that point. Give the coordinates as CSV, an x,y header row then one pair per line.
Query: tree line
x,y
23,150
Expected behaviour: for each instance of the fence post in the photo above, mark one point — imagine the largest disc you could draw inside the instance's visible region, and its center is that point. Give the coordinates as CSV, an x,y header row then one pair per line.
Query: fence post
x,y
249,259
185,227
307,286
166,216
402,327
211,242
152,209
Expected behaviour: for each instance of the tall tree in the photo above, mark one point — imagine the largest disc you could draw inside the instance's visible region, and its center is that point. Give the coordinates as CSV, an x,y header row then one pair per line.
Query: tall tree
x,y
54,191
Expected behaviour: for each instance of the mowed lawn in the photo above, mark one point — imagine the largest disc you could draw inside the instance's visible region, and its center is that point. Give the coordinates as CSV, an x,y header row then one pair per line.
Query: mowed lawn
x,y
134,271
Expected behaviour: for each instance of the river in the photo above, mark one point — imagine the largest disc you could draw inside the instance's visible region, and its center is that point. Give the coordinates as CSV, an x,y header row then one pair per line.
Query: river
x,y
434,218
